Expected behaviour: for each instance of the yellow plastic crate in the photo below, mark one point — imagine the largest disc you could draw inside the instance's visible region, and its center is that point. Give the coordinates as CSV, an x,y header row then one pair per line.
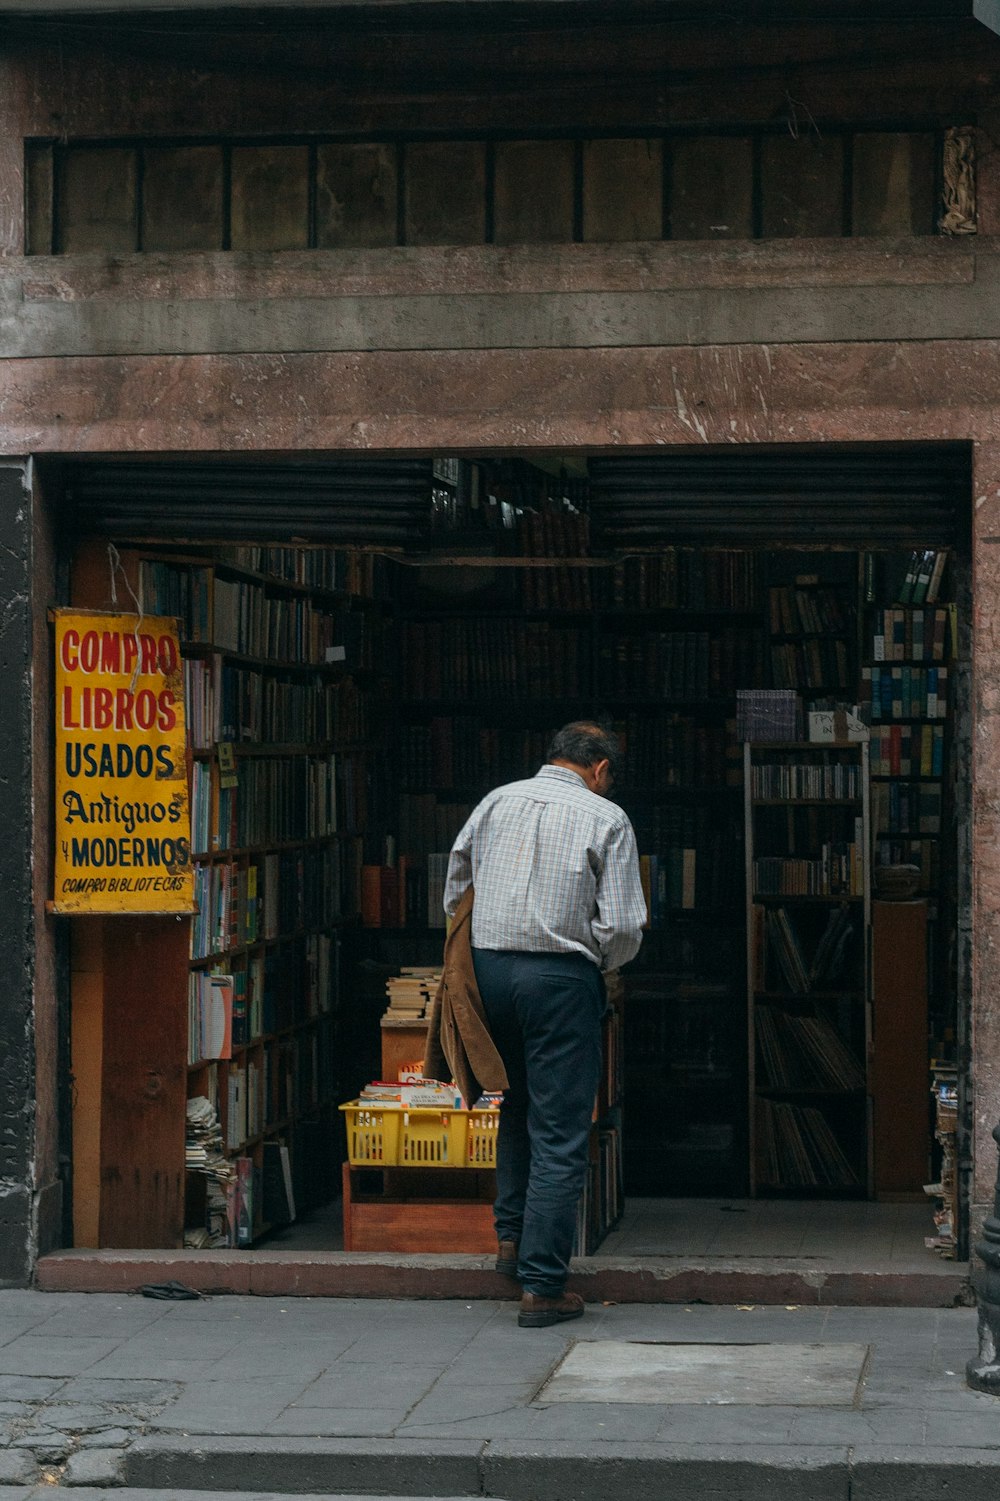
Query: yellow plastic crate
x,y
378,1136
481,1138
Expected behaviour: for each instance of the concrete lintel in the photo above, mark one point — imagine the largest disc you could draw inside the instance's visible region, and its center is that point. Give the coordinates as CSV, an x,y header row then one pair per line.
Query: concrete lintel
x,y
719,317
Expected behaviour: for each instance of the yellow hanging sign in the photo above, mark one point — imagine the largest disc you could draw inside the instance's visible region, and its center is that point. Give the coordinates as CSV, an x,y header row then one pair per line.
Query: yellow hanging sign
x,y
122,820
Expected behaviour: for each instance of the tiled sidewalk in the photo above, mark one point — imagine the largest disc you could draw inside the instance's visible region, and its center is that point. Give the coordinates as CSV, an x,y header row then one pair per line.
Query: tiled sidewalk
x,y
92,1383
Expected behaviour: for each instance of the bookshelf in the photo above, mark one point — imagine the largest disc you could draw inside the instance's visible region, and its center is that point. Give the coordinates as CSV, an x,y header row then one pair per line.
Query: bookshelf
x,y
910,643
493,660
910,651
807,838
284,654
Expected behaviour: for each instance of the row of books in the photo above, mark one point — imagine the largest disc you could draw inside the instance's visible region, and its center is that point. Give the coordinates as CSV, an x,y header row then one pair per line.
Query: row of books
x,y
791,780
905,692
602,1199
838,870
393,896
284,892
612,1083
278,988
802,830
904,750
677,750
502,658
210,1016
686,665
251,622
245,705
687,578
283,1080
923,576
428,822
900,635
803,1052
793,610
277,800
554,530
557,589
465,751
245,617
669,882
924,853
245,1106
796,1148
822,663
686,877
900,807
282,986
337,570
796,956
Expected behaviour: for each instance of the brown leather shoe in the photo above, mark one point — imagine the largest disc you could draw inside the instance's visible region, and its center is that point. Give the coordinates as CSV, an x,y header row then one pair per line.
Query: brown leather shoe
x,y
537,1312
507,1259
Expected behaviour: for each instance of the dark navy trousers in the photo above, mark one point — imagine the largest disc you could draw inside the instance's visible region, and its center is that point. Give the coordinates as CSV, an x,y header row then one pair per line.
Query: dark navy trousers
x,y
544,1011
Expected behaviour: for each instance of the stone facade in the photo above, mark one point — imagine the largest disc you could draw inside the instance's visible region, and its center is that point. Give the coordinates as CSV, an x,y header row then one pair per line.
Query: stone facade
x,y
479,347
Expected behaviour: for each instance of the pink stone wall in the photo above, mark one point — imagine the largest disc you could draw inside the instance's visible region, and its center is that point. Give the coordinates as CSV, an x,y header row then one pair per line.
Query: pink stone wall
x,y
503,399
986,825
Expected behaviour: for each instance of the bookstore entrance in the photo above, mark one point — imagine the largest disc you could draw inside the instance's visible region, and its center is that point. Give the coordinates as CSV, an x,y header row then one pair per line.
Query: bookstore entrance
x,y
779,638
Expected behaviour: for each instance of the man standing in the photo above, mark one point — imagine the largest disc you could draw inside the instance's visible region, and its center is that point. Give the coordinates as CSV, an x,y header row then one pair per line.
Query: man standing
x,y
557,901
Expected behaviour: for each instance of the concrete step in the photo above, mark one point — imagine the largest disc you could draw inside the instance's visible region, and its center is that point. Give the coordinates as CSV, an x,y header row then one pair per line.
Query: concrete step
x,y
601,1279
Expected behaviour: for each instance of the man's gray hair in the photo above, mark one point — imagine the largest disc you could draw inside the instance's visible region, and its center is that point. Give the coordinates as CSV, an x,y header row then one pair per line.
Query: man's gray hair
x,y
585,743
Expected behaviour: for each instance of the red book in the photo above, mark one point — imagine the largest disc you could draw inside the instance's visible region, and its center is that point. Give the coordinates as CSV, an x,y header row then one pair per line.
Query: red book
x,y
388,897
895,748
371,896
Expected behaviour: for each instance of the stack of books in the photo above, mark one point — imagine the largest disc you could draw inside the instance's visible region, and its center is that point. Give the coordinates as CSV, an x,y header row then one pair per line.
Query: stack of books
x,y
425,1094
203,1153
411,991
764,714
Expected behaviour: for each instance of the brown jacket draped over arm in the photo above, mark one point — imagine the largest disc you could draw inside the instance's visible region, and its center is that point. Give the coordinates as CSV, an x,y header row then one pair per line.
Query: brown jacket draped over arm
x,y
459,1045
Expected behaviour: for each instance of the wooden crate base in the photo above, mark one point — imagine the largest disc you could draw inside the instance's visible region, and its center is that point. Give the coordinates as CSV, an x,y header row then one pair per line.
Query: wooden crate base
x,y
462,1226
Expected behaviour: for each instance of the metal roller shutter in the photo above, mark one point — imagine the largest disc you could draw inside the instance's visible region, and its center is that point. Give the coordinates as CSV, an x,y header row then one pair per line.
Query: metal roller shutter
x,y
869,498
360,501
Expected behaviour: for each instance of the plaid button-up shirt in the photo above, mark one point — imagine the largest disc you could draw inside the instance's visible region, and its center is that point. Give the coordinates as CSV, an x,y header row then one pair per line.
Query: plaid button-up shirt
x,y
555,870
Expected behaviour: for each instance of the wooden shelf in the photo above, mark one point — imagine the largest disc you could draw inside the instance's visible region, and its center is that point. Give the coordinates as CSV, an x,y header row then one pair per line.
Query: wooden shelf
x,y
794,802
271,847
759,896
198,649
775,1091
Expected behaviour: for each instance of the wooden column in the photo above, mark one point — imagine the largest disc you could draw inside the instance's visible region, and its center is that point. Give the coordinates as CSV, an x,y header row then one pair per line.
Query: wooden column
x,y
899,1078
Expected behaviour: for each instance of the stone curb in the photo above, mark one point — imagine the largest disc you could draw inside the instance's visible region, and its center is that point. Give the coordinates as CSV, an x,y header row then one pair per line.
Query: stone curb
x,y
614,1471
411,1467
520,1470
